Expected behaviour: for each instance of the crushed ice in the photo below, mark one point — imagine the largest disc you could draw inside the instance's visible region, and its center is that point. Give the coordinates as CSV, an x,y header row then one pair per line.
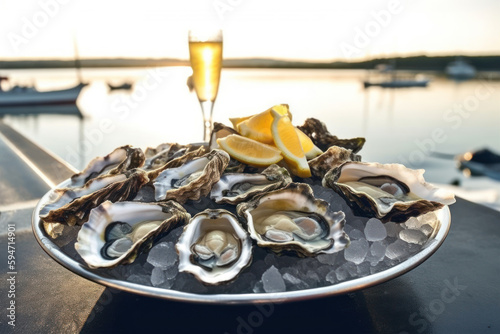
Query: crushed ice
x,y
375,246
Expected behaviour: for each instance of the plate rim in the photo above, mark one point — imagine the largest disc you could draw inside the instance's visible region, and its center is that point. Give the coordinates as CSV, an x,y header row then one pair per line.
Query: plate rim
x,y
75,267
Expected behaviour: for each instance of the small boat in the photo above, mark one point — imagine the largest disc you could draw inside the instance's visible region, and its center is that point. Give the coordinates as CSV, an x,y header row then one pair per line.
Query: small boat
x,y
124,86
29,96
397,83
480,163
460,70
394,79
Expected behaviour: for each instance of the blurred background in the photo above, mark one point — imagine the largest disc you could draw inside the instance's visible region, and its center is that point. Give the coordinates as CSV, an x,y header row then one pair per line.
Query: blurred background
x,y
419,79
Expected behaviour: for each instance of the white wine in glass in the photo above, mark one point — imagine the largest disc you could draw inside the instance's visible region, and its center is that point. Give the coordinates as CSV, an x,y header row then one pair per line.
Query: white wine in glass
x,y
205,54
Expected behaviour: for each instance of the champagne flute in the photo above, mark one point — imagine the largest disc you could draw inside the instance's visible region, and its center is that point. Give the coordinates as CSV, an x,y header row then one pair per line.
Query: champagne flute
x,y
205,54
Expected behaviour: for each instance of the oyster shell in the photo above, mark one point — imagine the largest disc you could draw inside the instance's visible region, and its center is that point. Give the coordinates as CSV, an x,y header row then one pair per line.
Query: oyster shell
x,y
191,180
214,247
234,188
117,232
292,219
390,192
317,131
72,206
333,157
163,153
121,159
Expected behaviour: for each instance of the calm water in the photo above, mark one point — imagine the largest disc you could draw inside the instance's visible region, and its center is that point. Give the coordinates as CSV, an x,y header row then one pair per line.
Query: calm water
x,y
402,125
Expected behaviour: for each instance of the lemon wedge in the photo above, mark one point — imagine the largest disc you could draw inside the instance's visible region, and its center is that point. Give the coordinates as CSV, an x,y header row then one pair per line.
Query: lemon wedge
x,y
249,151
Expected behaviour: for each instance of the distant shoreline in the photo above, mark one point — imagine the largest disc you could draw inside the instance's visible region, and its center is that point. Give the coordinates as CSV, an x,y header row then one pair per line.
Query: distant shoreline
x,y
481,63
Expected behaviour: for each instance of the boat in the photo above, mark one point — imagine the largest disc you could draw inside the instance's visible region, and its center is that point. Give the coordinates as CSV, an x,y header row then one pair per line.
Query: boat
x,y
397,83
124,86
460,70
394,80
20,96
483,162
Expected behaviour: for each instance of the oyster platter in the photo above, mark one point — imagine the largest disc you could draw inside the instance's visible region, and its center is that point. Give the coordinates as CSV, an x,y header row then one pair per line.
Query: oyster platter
x,y
265,211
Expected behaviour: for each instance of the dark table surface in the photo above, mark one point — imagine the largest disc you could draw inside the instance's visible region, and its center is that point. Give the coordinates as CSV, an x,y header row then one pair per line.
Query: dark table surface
x,y
457,290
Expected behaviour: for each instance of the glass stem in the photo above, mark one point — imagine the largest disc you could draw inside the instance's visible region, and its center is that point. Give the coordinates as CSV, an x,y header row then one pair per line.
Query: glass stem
x,y
207,108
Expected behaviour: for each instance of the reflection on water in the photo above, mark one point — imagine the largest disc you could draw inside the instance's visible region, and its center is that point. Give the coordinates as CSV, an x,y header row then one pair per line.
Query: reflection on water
x,y
402,125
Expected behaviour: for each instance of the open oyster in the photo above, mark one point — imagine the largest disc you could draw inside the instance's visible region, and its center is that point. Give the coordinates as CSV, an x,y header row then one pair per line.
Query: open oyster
x,y
72,206
317,131
214,247
121,159
234,188
191,180
390,192
117,232
333,157
163,153
292,219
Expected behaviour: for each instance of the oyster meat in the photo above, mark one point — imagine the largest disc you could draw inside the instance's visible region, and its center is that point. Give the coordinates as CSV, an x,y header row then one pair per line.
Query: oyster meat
x,y
191,180
121,159
317,131
390,192
117,232
214,247
292,219
234,188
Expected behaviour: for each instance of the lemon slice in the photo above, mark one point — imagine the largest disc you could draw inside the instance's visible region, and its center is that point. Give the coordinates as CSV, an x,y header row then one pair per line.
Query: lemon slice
x,y
310,150
258,127
287,140
249,151
237,120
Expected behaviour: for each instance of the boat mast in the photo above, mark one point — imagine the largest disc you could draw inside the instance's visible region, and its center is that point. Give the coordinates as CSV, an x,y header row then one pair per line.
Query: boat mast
x,y
78,64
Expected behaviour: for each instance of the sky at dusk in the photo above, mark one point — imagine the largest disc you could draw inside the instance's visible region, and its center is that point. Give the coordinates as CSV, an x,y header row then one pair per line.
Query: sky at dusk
x,y
316,30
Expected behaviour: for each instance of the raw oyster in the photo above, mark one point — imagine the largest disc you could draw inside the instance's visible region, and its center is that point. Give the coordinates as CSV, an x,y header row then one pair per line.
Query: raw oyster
x,y
163,153
220,131
121,159
390,192
117,232
292,219
317,131
72,206
214,247
234,188
333,157
193,179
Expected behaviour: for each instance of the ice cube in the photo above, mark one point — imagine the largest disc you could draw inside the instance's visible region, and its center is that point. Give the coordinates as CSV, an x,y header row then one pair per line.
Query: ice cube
x,y
327,258
258,287
331,277
427,230
413,223
413,236
163,255
377,249
312,278
293,282
357,250
392,229
139,279
397,250
342,274
273,281
357,224
356,234
157,276
363,269
171,272
375,230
